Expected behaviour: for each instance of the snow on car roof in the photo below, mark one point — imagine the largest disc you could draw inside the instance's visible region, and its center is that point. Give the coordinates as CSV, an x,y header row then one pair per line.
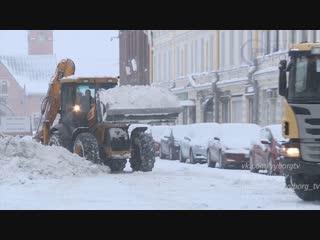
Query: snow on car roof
x,y
276,130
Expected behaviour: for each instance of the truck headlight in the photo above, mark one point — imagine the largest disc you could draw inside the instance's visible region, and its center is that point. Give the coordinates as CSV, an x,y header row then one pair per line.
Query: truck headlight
x,y
291,152
76,108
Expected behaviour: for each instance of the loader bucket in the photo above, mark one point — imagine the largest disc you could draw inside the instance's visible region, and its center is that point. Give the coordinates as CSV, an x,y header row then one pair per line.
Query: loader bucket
x,y
147,116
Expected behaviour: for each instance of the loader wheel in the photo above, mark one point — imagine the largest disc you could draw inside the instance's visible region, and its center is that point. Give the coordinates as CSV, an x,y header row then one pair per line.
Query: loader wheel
x,y
86,146
58,139
143,155
117,165
55,139
306,188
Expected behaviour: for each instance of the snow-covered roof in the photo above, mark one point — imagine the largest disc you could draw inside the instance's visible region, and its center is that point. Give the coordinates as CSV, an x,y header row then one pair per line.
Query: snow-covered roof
x,y
32,71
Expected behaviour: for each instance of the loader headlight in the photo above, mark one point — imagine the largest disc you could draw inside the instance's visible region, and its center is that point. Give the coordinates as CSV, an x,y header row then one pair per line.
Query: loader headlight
x,y
291,152
76,108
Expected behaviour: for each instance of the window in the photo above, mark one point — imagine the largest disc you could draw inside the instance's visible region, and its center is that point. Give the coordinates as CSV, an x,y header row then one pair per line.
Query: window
x,y
196,56
225,110
208,111
186,57
3,87
178,61
202,56
250,109
41,36
236,109
211,53
192,57
266,42
231,49
276,41
170,65
304,36
241,44
222,50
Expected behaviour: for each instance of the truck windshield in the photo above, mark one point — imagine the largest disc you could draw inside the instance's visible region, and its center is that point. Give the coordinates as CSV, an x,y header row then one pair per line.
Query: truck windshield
x,y
304,81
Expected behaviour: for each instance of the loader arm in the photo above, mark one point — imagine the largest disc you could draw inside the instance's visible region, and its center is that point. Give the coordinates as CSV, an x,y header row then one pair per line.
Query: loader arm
x,y
52,102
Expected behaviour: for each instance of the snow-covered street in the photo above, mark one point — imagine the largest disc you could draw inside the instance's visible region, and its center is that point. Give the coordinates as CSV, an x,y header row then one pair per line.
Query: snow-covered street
x,y
171,185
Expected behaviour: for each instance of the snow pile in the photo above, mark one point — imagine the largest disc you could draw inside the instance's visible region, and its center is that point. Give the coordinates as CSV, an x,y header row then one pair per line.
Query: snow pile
x,y
22,160
138,97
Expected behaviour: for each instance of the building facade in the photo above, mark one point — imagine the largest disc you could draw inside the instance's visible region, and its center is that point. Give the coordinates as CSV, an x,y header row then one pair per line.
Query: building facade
x,y
24,79
134,57
224,75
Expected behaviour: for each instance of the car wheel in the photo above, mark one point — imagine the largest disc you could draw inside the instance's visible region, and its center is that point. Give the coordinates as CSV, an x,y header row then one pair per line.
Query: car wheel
x,y
270,166
170,153
252,166
210,163
161,155
181,159
192,160
221,161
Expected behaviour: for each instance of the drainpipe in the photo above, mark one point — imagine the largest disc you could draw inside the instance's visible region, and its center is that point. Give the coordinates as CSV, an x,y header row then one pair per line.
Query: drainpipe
x,y
254,84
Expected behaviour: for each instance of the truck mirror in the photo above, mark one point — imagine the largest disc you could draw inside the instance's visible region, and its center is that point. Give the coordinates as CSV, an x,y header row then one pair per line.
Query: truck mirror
x,y
283,78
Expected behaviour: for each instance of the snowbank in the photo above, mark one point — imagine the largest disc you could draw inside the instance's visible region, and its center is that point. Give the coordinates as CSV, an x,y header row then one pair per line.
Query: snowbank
x,y
138,97
23,160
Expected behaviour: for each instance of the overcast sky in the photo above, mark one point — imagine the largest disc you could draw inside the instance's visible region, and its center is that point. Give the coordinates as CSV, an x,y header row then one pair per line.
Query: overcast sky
x,y
91,50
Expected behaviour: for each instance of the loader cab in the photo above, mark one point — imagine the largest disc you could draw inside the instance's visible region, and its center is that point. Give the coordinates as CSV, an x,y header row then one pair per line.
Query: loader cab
x,y
78,99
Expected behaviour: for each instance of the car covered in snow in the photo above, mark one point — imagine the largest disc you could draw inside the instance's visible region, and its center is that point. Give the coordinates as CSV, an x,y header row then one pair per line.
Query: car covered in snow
x,y
232,145
170,141
194,145
157,132
265,154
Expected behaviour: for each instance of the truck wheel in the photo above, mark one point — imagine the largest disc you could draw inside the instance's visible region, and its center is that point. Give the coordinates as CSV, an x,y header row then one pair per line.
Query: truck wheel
x,y
305,188
86,145
143,155
117,165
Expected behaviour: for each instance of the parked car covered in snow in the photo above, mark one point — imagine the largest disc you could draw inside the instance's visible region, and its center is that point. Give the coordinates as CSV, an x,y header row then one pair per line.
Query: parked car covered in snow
x,y
265,154
170,141
157,132
194,145
232,145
